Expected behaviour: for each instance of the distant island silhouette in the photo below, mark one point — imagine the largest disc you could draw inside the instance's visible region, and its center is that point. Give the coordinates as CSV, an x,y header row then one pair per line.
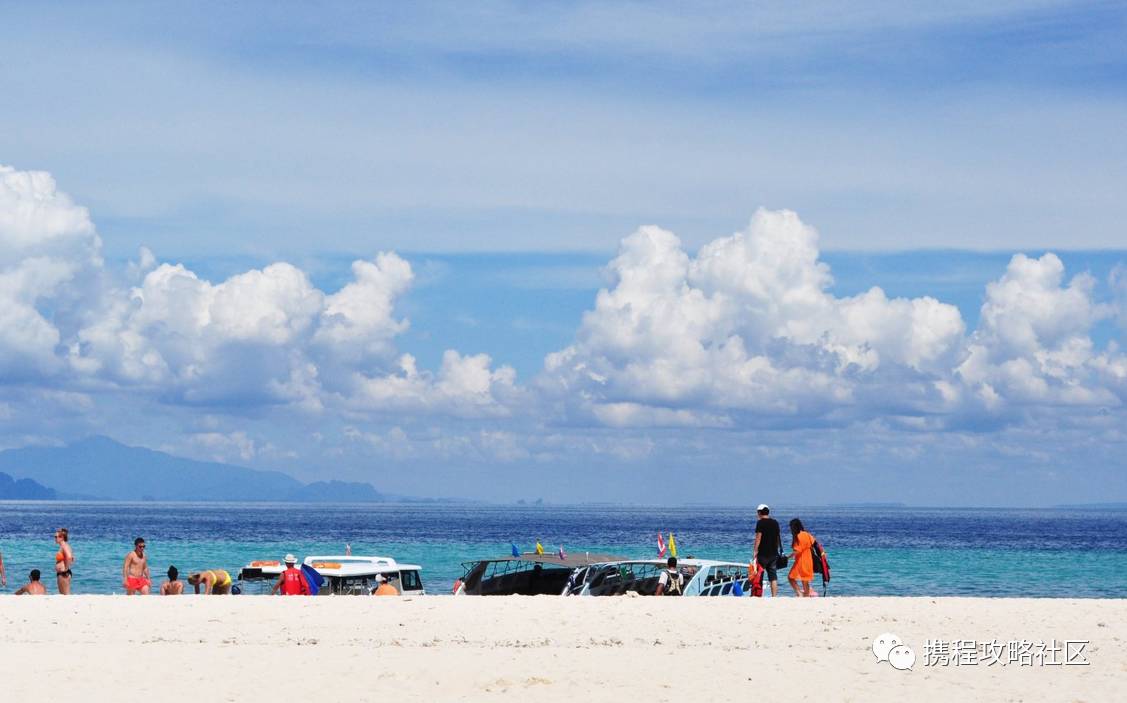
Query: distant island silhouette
x,y
100,468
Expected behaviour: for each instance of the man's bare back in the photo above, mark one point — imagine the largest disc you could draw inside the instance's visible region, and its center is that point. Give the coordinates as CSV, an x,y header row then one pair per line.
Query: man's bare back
x,y
33,587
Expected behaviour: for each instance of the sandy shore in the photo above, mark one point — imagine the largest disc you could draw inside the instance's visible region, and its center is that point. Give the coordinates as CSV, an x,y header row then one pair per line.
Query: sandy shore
x,y
550,649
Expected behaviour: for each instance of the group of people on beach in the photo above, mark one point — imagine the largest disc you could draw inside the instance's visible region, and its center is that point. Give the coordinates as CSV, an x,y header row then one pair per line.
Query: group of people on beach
x,y
769,558
135,575
64,558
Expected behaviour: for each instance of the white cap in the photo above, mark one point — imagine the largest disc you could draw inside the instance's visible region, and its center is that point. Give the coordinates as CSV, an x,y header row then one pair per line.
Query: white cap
x,y
291,559
380,578
762,507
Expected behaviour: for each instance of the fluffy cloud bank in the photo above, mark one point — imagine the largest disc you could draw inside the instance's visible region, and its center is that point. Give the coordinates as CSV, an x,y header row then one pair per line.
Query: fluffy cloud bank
x,y
748,333
263,337
48,249
745,334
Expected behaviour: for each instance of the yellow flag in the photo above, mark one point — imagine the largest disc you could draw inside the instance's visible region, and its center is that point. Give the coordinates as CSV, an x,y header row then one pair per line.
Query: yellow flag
x,y
539,547
672,545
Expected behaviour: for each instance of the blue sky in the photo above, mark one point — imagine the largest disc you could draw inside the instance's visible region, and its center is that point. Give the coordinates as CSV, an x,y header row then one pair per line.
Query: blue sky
x,y
508,153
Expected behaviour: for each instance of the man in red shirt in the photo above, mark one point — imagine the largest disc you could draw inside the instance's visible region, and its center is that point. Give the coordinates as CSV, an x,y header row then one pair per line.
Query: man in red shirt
x,y
291,582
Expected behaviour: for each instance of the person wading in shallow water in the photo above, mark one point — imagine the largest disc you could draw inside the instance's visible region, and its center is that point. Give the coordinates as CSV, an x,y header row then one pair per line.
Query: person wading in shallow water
x,y
135,571
64,559
173,586
33,587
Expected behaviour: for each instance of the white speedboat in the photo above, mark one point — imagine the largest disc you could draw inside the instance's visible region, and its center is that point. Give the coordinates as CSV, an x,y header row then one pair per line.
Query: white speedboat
x,y
344,574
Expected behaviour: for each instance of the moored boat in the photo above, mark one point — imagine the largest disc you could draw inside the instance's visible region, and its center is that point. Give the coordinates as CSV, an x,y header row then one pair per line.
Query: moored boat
x,y
529,574
344,575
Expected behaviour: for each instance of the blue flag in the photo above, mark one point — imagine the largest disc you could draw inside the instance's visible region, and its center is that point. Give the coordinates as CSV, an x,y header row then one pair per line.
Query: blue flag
x,y
516,552
314,579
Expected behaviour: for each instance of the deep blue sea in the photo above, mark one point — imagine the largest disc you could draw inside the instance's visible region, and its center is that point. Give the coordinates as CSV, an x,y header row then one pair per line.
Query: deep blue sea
x,y
872,551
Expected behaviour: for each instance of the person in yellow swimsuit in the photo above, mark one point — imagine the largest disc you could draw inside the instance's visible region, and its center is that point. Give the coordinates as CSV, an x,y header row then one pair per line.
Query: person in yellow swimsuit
x,y
802,572
216,582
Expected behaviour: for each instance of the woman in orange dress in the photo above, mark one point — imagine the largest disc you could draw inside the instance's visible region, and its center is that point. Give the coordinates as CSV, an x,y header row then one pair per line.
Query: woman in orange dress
x,y
802,559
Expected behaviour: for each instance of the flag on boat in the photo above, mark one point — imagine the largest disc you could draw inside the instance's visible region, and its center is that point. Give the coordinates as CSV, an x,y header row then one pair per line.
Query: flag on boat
x,y
563,554
672,545
516,552
660,545
539,548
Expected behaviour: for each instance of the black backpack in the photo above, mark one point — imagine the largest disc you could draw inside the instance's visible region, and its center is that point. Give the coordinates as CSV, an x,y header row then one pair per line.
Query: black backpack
x,y
821,563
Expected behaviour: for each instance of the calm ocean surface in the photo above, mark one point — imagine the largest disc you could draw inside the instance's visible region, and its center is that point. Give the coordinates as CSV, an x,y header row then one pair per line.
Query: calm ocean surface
x,y
873,551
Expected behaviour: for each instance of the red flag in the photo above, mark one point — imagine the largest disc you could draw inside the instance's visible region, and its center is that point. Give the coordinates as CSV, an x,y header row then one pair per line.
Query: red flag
x,y
660,545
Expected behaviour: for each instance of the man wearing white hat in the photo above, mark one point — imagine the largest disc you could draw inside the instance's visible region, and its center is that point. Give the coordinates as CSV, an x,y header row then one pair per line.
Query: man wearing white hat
x,y
383,588
767,545
291,582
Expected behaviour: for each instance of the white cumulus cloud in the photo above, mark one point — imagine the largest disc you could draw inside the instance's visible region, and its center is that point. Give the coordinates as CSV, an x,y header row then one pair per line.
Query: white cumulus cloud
x,y
49,252
748,325
746,333
262,337
748,330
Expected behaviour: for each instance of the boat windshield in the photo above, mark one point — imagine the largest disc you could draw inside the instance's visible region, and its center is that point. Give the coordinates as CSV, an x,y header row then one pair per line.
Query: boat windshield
x,y
616,579
516,577
720,580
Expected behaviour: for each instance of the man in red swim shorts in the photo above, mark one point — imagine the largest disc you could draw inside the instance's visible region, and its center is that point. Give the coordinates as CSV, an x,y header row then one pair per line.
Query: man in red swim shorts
x,y
135,571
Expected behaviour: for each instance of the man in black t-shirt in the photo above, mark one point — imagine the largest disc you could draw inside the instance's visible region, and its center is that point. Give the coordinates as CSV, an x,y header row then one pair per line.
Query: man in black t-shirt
x,y
767,545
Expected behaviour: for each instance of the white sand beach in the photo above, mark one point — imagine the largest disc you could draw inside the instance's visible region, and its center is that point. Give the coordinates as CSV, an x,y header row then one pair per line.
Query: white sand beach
x,y
544,648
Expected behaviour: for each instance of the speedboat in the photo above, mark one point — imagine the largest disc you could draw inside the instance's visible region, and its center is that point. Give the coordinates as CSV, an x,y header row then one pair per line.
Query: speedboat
x,y
703,577
529,574
344,575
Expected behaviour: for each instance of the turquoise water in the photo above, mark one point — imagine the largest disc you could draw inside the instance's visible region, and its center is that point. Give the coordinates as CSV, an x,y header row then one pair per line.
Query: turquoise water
x,y
877,551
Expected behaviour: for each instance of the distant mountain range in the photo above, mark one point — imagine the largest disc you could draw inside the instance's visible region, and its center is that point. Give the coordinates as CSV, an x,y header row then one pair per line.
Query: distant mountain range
x,y
98,468
24,489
